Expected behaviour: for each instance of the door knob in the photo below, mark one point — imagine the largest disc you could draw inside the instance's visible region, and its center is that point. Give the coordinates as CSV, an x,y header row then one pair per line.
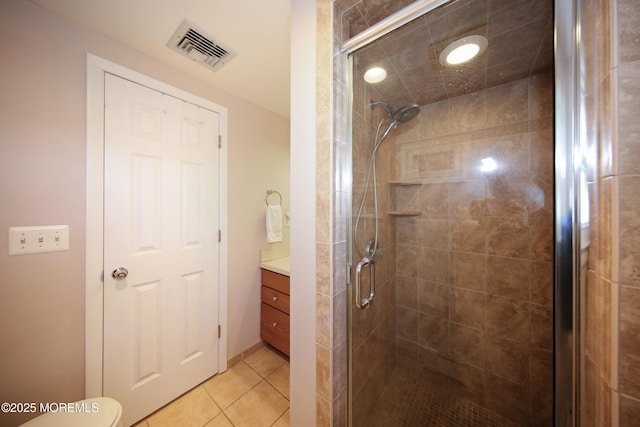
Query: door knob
x,y
120,273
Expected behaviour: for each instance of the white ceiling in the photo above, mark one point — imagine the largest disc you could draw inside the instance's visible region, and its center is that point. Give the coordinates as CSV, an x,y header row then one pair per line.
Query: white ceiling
x,y
258,30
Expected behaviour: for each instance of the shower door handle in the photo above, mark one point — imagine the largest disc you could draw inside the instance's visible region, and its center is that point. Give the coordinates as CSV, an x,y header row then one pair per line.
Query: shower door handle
x,y
363,303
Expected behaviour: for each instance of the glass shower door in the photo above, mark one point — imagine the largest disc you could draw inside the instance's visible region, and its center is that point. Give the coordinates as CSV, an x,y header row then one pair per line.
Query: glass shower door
x,y
452,220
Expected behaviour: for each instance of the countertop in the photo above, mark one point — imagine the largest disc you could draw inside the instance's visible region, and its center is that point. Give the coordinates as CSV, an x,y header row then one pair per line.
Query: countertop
x,y
278,265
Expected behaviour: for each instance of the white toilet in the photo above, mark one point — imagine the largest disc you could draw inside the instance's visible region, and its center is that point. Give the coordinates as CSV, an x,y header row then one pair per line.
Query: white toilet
x,y
96,412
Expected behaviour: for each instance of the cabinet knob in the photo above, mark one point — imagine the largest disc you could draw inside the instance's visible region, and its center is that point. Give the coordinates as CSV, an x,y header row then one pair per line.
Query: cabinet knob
x,y
275,297
275,324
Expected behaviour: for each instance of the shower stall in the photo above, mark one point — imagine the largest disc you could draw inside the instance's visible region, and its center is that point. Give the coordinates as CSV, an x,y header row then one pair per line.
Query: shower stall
x,y
453,211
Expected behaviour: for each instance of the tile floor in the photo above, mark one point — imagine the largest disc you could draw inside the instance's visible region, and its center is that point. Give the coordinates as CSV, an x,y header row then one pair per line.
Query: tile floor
x,y
252,393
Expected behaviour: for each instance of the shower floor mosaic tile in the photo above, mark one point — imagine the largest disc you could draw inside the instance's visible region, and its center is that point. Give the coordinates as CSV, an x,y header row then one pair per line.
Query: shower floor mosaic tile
x,y
410,401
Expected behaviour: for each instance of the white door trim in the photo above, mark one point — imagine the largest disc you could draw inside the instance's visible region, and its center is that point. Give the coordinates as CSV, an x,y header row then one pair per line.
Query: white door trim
x,y
96,69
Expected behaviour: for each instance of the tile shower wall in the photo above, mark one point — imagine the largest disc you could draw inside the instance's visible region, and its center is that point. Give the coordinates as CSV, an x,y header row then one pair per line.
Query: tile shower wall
x,y
611,396
474,272
331,348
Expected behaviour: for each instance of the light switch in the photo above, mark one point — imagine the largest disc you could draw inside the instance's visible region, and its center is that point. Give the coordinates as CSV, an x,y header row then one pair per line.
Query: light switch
x,y
38,239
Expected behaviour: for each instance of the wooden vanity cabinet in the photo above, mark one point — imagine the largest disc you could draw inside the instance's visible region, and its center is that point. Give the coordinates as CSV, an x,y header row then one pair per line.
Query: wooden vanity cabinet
x,y
274,315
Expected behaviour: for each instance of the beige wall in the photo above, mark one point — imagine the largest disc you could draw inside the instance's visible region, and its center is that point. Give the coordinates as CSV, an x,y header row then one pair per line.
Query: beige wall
x,y
42,171
304,262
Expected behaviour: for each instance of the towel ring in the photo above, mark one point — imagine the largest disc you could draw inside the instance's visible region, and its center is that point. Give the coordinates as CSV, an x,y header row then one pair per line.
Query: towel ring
x,y
270,192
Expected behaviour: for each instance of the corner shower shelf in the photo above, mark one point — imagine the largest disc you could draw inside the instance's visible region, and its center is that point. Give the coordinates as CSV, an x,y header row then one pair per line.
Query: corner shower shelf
x,y
403,183
404,213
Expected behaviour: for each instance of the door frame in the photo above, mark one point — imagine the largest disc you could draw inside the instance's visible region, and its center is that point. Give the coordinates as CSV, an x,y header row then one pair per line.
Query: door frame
x,y
94,241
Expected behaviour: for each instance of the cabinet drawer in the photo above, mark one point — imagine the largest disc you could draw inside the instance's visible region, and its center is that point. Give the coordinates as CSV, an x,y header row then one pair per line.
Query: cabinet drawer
x,y
274,328
279,282
275,299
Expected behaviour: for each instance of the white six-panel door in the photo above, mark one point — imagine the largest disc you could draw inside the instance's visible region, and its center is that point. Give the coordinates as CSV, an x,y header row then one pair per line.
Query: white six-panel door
x,y
161,225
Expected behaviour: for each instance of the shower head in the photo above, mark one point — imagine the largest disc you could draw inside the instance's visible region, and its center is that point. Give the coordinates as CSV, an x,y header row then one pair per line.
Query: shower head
x,y
398,115
405,113
389,107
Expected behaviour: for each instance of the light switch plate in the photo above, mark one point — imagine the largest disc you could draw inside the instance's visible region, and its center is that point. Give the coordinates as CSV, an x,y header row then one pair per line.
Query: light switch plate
x,y
38,239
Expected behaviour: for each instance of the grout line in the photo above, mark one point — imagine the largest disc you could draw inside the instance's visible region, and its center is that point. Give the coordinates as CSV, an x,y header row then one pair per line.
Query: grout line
x,y
228,419
223,411
280,417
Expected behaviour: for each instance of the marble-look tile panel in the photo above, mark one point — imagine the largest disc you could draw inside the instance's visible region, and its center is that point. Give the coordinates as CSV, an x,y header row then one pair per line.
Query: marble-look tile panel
x,y
469,308
434,334
511,154
433,233
630,341
323,320
508,196
628,30
434,200
408,324
629,230
629,411
469,271
541,145
467,199
508,237
470,235
628,123
541,88
433,299
468,346
510,104
541,286
508,318
541,326
406,292
323,371
541,239
508,277
508,359
434,265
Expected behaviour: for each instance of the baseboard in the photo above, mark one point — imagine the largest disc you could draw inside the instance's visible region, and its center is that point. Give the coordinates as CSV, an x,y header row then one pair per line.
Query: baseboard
x,y
244,354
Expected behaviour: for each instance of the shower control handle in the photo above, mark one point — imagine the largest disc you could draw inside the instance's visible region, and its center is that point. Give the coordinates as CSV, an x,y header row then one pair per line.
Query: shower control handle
x,y
363,303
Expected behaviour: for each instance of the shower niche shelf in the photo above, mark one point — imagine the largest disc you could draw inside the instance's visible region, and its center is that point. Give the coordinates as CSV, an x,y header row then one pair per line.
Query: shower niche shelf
x,y
404,213
398,183
403,183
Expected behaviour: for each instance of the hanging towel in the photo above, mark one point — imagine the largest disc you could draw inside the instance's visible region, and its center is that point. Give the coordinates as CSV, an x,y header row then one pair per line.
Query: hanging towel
x,y
274,223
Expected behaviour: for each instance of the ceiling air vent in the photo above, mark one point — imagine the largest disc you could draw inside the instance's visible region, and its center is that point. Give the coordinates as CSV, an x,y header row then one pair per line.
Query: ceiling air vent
x,y
191,41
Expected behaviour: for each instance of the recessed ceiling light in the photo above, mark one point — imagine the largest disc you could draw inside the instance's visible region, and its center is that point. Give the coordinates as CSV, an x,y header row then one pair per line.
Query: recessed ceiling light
x,y
463,50
375,75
